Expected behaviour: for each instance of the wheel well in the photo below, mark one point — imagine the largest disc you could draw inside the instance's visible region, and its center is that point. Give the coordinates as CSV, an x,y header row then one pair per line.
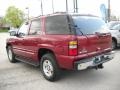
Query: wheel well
x,y
114,39
43,51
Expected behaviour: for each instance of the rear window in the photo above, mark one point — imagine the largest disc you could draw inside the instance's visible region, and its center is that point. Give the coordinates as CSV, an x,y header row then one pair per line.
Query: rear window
x,y
57,25
89,24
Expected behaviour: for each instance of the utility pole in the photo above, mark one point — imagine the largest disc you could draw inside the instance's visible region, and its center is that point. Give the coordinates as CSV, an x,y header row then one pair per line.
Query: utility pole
x,y
75,5
53,6
28,12
41,7
66,5
109,10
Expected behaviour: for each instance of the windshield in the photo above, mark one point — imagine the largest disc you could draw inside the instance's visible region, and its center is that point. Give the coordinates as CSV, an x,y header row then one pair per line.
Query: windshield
x,y
89,25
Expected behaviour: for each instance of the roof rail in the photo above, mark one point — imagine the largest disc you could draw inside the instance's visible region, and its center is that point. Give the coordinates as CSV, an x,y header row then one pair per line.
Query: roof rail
x,y
60,12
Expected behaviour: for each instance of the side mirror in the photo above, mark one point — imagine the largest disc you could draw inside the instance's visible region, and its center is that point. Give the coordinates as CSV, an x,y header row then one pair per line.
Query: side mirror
x,y
20,34
13,33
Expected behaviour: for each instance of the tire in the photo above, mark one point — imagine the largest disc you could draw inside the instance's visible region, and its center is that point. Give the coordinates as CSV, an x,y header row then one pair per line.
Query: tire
x,y
49,67
11,55
114,44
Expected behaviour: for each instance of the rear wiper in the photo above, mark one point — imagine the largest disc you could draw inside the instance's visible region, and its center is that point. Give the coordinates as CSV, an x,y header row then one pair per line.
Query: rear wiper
x,y
77,28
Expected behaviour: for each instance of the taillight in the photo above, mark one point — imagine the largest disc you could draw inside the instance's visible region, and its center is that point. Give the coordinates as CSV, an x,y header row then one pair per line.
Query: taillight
x,y
73,50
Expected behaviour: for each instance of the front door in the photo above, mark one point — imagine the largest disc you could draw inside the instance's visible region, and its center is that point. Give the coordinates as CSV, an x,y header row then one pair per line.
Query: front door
x,y
18,43
31,41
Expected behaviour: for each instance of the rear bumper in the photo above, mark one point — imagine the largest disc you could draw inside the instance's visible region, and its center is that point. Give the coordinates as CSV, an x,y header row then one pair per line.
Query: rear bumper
x,y
93,61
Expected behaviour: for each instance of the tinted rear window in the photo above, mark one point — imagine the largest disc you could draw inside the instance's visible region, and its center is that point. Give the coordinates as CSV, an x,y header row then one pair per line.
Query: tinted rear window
x,y
57,25
88,24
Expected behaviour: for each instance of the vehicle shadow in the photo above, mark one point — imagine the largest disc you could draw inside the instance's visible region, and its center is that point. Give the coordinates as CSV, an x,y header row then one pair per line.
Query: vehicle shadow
x,y
88,76
117,49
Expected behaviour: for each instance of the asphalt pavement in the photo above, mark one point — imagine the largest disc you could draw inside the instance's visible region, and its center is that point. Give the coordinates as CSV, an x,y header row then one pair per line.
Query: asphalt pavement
x,y
21,76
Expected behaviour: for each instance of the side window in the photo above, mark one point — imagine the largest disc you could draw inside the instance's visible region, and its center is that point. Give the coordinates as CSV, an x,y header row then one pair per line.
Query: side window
x,y
57,25
35,27
23,29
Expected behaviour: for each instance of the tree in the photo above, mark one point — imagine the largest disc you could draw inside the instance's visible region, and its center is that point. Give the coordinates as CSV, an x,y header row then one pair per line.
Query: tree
x,y
2,21
14,16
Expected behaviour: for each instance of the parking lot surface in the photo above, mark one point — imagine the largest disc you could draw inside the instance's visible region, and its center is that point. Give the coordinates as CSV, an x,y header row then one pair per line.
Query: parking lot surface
x,y
21,76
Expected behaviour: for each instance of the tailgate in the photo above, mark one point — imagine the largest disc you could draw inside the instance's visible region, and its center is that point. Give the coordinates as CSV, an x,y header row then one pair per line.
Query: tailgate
x,y
92,34
99,43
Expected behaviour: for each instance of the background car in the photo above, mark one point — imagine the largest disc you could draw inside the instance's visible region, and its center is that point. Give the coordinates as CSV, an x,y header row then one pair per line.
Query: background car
x,y
12,31
114,28
112,24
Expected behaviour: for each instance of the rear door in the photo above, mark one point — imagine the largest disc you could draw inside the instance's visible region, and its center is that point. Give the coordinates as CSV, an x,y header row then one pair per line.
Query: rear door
x,y
95,31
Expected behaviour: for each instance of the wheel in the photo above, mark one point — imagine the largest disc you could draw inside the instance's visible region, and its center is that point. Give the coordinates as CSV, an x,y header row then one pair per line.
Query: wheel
x,y
11,55
49,67
114,44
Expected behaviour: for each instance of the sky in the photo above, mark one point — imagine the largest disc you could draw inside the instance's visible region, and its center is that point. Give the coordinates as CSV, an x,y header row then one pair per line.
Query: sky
x,y
84,6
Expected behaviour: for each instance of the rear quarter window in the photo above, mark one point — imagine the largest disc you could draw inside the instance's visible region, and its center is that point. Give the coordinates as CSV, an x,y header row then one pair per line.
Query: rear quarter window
x,y
57,25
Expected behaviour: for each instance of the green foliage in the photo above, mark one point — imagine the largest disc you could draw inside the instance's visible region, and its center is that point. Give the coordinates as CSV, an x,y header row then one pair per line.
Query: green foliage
x,y
14,16
3,30
2,21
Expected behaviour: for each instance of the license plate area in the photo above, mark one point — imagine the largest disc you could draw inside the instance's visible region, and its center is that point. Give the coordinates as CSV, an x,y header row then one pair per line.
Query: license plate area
x,y
83,66
98,59
93,61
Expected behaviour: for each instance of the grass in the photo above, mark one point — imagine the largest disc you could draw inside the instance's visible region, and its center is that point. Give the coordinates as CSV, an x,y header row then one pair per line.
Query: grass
x,y
3,30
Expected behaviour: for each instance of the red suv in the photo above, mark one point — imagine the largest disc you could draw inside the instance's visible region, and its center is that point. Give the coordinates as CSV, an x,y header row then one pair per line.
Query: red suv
x,y
61,41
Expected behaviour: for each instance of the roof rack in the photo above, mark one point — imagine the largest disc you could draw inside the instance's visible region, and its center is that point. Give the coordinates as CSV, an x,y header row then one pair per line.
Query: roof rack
x,y
58,13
